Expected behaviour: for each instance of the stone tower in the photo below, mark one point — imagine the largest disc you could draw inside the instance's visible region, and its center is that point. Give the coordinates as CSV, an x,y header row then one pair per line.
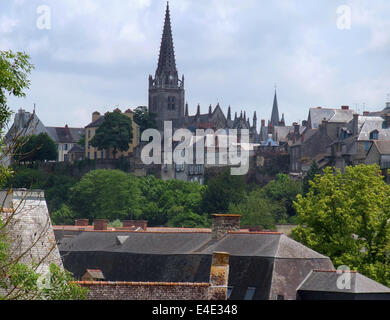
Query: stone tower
x,y
166,90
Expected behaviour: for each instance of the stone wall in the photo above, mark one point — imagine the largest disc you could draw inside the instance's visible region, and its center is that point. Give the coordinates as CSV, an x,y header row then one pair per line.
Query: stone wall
x,y
102,290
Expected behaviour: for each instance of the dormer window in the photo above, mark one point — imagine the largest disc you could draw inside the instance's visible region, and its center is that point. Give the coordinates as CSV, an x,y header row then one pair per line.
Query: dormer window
x,y
374,135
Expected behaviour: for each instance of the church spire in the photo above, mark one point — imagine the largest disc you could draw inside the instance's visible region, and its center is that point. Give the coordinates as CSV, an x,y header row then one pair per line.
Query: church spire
x,y
229,114
275,112
166,71
186,110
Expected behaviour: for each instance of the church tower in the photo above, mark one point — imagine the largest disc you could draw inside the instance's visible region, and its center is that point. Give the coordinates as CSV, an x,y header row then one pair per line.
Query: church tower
x,y
275,112
166,90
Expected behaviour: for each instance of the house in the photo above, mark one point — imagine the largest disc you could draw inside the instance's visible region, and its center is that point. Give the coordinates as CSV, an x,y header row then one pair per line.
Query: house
x,y
90,131
263,265
340,285
65,138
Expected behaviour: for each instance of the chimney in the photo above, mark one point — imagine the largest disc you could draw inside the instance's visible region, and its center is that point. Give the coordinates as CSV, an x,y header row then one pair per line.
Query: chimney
x,y
262,122
344,107
223,223
366,113
323,126
95,116
219,276
296,127
100,224
143,224
355,124
387,120
81,222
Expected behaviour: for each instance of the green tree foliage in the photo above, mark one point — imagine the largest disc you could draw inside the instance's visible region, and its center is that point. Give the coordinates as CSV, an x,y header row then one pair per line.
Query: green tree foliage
x,y
144,118
222,190
106,194
282,192
255,210
14,70
313,171
346,217
116,133
36,148
173,202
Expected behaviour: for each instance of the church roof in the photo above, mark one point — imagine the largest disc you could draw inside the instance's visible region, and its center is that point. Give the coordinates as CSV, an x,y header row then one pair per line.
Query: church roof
x,y
275,112
166,61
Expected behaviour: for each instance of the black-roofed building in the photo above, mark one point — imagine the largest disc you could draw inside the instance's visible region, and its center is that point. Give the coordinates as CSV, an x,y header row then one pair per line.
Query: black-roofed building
x,y
340,285
65,138
263,265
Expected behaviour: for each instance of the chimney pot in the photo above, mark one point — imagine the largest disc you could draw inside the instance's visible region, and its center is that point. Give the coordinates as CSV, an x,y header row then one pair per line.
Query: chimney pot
x,y
81,222
345,107
100,224
143,224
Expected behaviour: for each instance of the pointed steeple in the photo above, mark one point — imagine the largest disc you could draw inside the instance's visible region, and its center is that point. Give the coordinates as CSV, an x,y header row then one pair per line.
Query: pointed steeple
x,y
210,110
198,110
283,123
244,115
229,114
186,111
166,71
254,120
235,116
275,112
241,115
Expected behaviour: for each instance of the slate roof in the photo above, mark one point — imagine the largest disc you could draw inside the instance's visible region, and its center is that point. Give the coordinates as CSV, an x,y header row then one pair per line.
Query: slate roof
x,y
383,146
65,134
369,124
316,115
257,259
326,281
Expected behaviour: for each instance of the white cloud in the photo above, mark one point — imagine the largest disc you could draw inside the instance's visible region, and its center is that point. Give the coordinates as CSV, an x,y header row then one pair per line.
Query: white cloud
x,y
7,24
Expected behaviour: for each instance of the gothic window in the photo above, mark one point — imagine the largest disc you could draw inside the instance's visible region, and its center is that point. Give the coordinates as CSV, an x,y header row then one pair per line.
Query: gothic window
x,y
171,103
154,104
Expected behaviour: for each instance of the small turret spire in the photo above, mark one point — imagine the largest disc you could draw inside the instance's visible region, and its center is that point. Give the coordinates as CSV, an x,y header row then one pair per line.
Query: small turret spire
x,y
229,114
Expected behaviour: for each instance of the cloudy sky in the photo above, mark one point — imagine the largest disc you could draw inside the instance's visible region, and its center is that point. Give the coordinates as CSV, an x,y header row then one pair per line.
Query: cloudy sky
x,y
97,54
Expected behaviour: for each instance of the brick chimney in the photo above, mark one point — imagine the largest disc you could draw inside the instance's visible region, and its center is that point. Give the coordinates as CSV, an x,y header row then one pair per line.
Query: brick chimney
x,y
100,224
219,276
143,224
81,222
344,107
223,223
366,113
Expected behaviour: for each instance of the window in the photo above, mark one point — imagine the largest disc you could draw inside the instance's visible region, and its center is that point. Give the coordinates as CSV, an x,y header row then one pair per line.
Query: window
x,y
102,154
95,155
229,291
367,145
66,147
249,293
89,155
374,135
171,103
89,133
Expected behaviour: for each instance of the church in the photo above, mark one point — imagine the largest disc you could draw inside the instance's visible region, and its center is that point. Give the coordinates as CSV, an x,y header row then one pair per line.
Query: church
x,y
167,99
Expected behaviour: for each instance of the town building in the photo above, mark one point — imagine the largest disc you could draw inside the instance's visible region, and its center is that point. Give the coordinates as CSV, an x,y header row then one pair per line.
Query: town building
x,y
90,131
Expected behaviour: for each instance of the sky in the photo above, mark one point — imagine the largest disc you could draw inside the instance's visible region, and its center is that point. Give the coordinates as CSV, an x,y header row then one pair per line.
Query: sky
x,y
96,55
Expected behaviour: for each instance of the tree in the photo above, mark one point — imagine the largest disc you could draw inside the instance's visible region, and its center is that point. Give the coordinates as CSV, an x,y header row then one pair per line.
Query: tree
x,y
19,280
106,194
14,70
222,190
313,171
116,133
255,210
346,217
282,192
36,148
144,118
